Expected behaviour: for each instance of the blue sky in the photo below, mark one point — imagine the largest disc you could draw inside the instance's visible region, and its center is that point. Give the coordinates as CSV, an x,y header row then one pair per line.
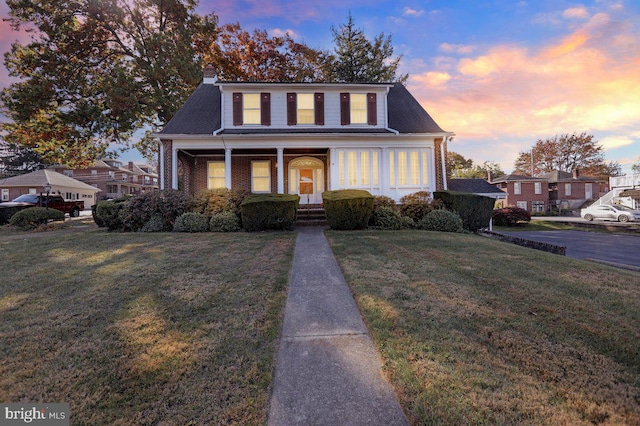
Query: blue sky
x,y
500,74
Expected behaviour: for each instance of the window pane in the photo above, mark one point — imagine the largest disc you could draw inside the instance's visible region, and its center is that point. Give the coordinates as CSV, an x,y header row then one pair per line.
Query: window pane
x,y
364,168
415,168
375,166
351,165
402,168
319,180
306,113
358,108
516,188
261,176
261,185
305,101
216,172
425,169
251,108
292,181
392,169
341,167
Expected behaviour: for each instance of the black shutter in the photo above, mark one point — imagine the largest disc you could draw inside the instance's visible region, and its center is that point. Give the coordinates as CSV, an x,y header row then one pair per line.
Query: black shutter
x,y
265,109
319,108
237,109
372,110
345,109
292,109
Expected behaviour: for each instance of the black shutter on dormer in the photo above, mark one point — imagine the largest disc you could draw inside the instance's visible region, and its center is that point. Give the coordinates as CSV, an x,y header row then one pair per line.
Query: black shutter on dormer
x,y
237,109
265,109
319,108
372,109
292,109
345,110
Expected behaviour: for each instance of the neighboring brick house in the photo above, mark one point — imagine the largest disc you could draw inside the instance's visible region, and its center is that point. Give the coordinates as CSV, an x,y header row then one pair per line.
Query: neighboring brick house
x,y
570,190
302,138
114,179
528,193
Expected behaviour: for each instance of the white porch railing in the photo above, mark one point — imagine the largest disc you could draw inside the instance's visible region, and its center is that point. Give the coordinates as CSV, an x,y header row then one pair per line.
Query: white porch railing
x,y
626,181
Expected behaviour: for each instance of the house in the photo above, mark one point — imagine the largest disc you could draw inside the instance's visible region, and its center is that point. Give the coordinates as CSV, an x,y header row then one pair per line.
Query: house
x,y
302,138
625,190
570,190
115,179
526,192
477,186
34,182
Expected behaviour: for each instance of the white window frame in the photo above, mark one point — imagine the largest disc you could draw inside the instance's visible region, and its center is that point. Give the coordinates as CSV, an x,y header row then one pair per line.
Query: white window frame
x,y
351,165
517,188
522,205
255,178
216,181
249,115
358,106
414,173
5,194
567,189
305,115
537,187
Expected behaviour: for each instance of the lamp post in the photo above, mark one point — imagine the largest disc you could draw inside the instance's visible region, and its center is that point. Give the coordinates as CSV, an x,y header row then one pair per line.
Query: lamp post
x,y
47,189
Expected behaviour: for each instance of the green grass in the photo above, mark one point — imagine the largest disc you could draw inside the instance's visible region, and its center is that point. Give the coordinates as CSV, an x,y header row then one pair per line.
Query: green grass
x,y
475,331
142,328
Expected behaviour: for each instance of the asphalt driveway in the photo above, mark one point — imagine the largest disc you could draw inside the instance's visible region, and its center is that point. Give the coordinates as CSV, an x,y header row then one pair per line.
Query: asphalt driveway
x,y
614,248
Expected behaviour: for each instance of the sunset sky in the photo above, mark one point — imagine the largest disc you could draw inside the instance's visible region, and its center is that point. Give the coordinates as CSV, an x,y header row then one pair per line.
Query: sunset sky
x,y
500,74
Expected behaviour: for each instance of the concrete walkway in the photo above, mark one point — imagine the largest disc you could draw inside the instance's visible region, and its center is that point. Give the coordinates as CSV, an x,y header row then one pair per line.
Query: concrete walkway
x,y
328,370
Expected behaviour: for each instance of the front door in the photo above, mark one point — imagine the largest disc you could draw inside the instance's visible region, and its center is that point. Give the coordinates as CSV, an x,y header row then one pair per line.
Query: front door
x,y
306,178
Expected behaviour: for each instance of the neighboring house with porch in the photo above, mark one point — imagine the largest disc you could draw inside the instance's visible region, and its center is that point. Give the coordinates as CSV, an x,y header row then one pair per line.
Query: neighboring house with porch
x,y
625,190
34,182
303,138
526,192
570,190
114,178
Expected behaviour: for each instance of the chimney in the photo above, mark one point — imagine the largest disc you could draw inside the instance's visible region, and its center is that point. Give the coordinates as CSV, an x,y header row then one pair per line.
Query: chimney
x,y
489,176
130,165
576,173
209,75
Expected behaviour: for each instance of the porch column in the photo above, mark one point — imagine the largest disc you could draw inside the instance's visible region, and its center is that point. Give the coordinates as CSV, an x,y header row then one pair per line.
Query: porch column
x,y
280,169
174,168
227,168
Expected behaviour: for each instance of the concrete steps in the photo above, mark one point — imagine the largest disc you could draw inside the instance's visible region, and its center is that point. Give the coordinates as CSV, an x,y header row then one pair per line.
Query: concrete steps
x,y
311,216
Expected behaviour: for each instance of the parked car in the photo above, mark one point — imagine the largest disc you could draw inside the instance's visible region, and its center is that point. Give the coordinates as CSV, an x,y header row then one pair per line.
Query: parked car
x,y
72,207
610,212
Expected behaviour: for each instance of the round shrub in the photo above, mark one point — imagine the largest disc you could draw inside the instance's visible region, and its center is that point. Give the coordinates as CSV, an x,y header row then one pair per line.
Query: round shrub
x,y
511,216
214,201
168,204
191,222
441,220
33,217
380,201
389,218
224,222
416,205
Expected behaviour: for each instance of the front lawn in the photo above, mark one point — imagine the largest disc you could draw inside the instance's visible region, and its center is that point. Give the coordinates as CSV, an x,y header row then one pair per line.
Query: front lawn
x,y
142,328
475,331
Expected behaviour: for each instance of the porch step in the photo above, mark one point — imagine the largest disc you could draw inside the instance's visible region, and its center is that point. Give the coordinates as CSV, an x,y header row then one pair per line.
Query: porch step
x,y
312,216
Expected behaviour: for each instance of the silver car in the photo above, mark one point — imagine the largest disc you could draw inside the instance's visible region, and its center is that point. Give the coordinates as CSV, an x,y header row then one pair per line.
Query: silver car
x,y
609,212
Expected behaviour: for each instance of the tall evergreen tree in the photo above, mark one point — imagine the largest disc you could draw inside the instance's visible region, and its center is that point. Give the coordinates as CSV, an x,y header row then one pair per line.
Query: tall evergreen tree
x,y
359,60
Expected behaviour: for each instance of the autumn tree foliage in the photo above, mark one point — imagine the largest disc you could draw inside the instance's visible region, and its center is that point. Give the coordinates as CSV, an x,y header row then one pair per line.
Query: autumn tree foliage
x,y
461,167
566,152
94,72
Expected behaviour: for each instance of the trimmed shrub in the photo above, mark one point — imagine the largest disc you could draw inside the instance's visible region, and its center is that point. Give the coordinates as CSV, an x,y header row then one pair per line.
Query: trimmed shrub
x,y
475,210
6,213
348,208
390,219
108,213
416,205
511,216
191,222
213,201
261,212
380,201
96,219
168,204
441,220
224,222
33,217
155,224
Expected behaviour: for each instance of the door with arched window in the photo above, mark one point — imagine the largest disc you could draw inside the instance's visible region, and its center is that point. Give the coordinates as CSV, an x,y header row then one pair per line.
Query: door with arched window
x,y
306,178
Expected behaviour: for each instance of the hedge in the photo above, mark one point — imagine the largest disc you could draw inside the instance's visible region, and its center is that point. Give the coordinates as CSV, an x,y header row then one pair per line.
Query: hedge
x,y
474,210
348,208
262,212
33,217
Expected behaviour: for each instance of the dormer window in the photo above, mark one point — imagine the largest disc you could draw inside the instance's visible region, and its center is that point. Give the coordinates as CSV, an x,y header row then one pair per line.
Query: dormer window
x,y
251,109
305,108
358,108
